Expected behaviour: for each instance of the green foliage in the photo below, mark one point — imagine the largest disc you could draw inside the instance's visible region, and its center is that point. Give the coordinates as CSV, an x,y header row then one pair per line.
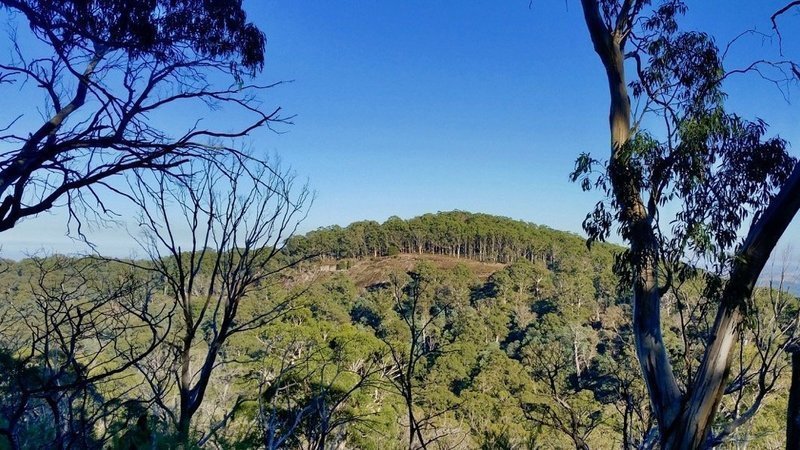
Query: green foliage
x,y
456,233
538,354
159,28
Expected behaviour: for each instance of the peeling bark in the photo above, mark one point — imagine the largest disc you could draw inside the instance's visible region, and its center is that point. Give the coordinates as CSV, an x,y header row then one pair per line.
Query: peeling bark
x,y
651,352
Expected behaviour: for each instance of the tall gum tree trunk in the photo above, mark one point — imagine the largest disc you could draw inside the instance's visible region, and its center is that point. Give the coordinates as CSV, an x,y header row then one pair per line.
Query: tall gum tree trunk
x,y
691,429
707,388
651,352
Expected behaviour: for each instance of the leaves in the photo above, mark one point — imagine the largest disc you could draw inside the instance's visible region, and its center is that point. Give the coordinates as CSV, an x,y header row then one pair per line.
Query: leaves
x,y
164,28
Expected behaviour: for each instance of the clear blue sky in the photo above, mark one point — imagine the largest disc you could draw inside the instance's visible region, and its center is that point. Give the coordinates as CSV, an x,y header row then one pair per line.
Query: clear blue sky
x,y
409,107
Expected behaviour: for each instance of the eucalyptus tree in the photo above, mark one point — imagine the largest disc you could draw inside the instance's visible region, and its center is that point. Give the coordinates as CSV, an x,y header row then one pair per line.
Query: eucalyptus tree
x,y
317,392
563,404
408,317
719,169
100,76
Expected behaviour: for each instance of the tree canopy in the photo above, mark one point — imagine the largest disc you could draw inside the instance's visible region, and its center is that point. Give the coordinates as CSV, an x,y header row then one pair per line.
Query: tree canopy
x,y
97,73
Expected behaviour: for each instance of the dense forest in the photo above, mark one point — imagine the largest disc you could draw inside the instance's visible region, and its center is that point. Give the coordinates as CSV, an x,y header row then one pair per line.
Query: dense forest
x,y
530,349
481,237
451,330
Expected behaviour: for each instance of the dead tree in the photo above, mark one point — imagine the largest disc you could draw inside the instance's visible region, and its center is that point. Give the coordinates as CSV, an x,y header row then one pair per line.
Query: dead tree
x,y
80,327
214,235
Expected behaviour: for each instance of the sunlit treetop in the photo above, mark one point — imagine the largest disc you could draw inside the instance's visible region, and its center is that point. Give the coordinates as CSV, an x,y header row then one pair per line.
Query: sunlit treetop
x,y
165,29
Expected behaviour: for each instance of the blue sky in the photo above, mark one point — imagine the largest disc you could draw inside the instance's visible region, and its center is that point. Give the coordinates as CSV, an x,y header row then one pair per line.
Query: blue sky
x,y
404,108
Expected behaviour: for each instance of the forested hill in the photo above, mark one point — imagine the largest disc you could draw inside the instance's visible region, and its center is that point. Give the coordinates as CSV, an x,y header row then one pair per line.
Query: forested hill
x,y
461,353
481,237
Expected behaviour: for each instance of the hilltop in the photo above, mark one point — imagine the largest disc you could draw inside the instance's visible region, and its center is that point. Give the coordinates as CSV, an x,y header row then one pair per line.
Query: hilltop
x,y
459,234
